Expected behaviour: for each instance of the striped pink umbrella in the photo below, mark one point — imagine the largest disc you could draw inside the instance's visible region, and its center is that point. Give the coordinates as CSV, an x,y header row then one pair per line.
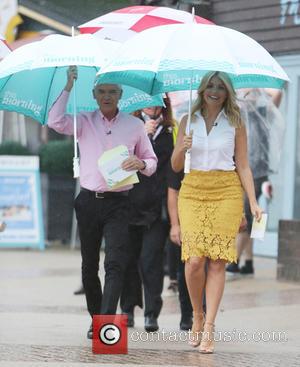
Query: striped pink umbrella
x,y
122,24
4,48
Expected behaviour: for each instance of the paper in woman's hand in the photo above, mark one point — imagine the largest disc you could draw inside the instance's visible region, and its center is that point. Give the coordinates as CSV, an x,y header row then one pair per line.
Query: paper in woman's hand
x,y
259,228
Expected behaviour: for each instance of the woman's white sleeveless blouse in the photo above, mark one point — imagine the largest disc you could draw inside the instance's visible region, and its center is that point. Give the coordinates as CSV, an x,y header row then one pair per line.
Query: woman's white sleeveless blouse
x,y
214,151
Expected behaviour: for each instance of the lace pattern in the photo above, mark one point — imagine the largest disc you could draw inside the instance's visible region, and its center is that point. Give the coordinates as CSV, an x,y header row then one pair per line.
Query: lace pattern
x,y
210,211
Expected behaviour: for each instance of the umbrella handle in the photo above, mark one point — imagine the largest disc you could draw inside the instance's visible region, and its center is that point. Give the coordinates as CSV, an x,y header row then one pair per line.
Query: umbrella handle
x,y
75,158
76,170
187,162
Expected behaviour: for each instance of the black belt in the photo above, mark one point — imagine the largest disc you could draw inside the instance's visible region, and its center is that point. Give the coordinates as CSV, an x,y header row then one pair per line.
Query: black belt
x,y
105,194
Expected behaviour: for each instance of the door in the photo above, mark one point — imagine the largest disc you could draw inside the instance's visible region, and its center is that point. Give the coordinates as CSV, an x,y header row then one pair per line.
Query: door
x,y
286,182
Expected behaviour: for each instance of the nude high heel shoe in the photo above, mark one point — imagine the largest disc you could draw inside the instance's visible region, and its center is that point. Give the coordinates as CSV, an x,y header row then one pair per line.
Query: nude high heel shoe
x,y
197,329
207,344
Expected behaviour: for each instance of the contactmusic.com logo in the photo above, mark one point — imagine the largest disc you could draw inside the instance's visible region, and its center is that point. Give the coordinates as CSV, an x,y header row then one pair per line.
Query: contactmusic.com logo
x,y
110,334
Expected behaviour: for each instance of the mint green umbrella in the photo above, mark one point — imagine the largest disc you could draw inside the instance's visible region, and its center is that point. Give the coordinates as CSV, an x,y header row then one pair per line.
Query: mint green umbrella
x,y
33,76
32,93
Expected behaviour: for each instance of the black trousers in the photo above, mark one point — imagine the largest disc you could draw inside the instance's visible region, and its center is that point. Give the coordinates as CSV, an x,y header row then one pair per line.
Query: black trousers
x,y
257,186
146,265
97,218
173,258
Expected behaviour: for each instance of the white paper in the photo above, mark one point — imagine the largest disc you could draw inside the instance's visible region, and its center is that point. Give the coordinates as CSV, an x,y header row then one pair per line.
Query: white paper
x,y
110,163
259,228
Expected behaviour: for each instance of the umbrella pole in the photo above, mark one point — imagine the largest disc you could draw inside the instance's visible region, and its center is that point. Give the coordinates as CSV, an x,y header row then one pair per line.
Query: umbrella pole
x,y
187,161
75,158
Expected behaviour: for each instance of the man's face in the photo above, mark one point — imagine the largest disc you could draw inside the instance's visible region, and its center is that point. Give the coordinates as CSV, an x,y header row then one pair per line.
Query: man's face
x,y
107,97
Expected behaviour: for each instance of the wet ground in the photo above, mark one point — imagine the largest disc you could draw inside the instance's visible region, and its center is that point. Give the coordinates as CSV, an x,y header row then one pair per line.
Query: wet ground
x,y
43,323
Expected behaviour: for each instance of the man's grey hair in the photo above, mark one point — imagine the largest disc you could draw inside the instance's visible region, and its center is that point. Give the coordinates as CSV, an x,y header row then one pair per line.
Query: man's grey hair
x,y
118,85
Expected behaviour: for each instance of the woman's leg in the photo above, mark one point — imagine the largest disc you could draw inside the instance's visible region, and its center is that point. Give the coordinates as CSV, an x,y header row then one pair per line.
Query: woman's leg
x,y
214,288
195,280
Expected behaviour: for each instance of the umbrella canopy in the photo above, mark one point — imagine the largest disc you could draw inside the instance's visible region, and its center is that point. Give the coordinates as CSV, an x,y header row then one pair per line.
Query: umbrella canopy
x,y
33,76
122,24
4,48
182,54
56,51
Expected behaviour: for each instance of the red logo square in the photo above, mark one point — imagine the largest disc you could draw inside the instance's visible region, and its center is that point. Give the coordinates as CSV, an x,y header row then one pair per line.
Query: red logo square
x,y
110,334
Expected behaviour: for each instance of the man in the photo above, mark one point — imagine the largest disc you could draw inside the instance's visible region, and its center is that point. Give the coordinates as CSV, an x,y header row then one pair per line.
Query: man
x,y
101,212
149,225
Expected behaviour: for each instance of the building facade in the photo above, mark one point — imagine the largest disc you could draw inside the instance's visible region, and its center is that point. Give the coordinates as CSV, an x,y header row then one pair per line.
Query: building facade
x,y
276,25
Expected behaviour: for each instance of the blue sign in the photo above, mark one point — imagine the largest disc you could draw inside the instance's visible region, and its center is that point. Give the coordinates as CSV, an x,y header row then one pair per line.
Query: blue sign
x,y
20,202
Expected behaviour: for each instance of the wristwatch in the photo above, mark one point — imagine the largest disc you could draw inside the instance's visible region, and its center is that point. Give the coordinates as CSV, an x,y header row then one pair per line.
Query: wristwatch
x,y
145,165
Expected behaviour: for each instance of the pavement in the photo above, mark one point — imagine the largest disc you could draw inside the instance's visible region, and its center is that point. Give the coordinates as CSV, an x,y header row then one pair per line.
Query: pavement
x,y
43,324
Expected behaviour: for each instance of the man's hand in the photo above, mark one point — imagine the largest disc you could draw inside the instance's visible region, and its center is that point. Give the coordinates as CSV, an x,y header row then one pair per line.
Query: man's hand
x,y
133,163
72,75
175,234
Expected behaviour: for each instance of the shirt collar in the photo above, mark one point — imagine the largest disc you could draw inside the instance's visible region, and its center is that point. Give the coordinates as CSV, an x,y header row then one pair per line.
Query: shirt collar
x,y
221,113
113,120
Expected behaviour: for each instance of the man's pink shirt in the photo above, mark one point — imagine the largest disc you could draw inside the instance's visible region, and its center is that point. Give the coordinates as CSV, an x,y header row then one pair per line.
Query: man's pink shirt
x,y
96,134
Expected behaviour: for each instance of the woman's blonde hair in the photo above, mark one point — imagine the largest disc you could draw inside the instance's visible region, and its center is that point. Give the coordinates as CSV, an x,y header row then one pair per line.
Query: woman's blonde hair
x,y
231,108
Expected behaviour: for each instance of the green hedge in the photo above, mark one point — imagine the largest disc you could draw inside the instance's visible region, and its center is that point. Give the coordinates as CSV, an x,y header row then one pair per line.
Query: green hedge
x,y
13,148
56,157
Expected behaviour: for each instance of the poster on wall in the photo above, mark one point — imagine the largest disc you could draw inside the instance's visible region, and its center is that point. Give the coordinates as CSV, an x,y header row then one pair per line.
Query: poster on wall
x,y
20,202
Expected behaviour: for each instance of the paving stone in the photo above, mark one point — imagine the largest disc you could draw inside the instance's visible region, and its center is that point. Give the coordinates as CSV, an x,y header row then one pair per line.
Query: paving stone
x,y
141,357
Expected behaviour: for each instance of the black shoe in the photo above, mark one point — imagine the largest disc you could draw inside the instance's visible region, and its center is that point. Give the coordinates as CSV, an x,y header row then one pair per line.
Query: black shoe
x,y
247,269
186,323
80,290
151,323
130,318
233,268
90,332
173,286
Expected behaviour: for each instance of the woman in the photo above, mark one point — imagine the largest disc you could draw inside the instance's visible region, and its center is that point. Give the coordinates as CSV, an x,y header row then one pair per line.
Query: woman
x,y
211,197
149,226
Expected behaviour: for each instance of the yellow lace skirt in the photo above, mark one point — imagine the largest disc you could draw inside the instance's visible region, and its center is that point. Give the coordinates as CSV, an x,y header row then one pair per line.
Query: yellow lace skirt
x,y
210,208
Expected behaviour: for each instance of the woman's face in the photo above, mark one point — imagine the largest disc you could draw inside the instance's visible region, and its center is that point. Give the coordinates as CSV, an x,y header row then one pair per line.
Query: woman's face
x,y
215,93
152,112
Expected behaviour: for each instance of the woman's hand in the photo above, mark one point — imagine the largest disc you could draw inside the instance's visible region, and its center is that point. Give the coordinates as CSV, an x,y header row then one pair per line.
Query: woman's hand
x,y
150,126
187,141
256,211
